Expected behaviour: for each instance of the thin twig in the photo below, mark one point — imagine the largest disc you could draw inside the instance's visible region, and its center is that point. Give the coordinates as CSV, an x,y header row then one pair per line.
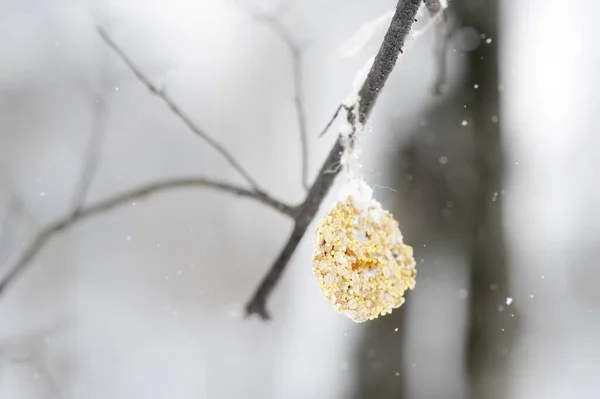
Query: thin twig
x,y
191,182
301,113
126,197
93,151
7,231
296,53
333,118
177,111
394,39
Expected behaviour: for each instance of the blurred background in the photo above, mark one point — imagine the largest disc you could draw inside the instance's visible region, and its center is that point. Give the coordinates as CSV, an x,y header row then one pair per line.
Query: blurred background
x,y
491,181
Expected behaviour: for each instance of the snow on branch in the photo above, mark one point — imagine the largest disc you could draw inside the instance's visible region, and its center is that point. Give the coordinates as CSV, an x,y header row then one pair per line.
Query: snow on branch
x,y
364,34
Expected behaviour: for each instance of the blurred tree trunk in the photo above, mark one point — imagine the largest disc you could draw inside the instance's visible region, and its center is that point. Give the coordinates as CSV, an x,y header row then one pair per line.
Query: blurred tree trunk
x,y
380,360
491,324
449,179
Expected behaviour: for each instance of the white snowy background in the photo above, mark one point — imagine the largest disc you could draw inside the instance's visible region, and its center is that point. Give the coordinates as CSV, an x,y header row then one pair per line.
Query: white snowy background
x,y
147,300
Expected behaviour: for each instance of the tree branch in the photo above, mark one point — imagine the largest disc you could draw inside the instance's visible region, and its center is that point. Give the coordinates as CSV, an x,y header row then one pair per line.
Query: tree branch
x,y
296,53
44,235
177,111
333,118
7,230
300,112
191,182
94,148
394,39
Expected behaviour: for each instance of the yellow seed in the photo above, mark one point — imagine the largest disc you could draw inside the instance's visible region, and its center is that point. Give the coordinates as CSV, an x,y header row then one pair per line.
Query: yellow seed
x,y
373,282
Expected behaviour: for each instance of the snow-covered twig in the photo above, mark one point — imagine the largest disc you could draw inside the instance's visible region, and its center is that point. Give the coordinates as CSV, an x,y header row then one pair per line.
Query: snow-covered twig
x,y
384,63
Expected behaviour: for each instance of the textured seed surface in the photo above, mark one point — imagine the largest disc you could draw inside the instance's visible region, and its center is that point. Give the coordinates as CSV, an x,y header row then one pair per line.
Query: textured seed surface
x,y
360,261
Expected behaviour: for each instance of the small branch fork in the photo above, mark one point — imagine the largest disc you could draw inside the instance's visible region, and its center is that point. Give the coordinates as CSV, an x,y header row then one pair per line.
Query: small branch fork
x,y
302,215
334,117
93,151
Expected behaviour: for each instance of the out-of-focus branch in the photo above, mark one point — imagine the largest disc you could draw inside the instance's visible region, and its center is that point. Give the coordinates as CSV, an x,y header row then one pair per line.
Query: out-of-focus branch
x,y
191,182
384,63
177,111
100,207
13,210
296,53
300,112
29,349
442,33
88,171
93,151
